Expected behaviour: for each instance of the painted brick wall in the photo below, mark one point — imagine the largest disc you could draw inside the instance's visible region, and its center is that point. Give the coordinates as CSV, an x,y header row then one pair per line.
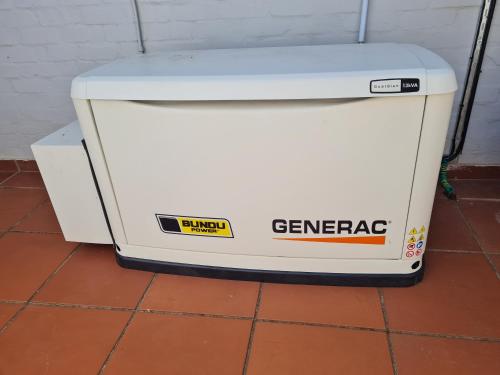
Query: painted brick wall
x,y
45,43
482,145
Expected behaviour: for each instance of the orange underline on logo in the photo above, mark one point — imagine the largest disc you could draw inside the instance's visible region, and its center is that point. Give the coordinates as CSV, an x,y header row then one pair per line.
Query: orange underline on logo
x,y
365,240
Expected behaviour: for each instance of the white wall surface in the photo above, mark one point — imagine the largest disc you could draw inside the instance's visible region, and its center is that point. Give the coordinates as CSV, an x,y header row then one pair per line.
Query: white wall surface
x,y
45,43
482,144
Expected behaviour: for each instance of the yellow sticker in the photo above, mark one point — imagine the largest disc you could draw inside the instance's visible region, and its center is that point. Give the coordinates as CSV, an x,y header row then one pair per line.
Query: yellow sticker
x,y
421,238
413,231
196,226
412,239
422,229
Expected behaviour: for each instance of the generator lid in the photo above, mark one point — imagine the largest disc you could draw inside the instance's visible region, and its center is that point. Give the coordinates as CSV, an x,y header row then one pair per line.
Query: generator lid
x,y
271,73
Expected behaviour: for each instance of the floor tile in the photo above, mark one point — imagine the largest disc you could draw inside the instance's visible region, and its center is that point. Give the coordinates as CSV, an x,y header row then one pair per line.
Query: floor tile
x,y
25,179
51,340
448,230
42,219
8,166
474,172
416,355
28,165
496,262
5,175
459,295
7,311
485,189
163,344
17,203
27,260
92,277
484,218
202,295
439,194
322,304
298,349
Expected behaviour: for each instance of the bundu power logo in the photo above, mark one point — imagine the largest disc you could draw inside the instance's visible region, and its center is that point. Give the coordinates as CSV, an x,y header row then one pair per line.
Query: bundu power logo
x,y
196,226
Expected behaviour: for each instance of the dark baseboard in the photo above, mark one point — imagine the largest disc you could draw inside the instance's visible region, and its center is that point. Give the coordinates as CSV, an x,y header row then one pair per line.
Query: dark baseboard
x,y
284,277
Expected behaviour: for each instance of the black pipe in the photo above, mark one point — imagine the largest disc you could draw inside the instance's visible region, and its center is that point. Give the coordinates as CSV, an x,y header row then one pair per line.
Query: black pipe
x,y
475,71
456,150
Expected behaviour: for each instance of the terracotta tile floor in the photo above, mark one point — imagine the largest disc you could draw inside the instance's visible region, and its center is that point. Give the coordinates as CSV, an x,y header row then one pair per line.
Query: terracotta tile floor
x,y
68,308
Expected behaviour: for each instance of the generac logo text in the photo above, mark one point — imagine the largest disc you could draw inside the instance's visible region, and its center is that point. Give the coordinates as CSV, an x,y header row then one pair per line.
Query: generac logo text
x,y
329,226
364,232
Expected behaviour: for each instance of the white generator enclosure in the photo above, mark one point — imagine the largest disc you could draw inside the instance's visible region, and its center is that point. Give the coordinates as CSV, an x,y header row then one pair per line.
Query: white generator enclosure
x,y
65,170
310,164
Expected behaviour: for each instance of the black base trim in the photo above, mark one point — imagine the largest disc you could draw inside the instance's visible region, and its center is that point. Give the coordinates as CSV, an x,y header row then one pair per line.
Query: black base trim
x,y
312,278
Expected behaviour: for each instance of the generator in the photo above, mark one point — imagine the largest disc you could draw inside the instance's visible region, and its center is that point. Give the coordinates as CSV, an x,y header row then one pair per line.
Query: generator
x,y
304,164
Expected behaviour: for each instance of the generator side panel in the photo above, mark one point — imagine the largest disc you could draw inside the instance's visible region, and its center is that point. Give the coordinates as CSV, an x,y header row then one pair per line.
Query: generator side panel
x,y
66,173
430,151
91,136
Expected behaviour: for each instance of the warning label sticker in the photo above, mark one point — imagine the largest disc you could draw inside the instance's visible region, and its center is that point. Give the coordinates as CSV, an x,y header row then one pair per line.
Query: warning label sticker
x,y
415,241
196,226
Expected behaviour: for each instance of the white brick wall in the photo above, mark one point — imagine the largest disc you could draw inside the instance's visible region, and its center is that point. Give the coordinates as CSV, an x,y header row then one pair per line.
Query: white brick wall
x,y
45,43
482,145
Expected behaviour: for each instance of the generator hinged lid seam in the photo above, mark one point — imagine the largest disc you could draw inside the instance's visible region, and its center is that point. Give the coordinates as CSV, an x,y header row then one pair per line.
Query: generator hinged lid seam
x,y
271,73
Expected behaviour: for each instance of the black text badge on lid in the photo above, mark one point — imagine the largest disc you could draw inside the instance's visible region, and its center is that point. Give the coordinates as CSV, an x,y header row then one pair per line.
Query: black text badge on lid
x,y
394,85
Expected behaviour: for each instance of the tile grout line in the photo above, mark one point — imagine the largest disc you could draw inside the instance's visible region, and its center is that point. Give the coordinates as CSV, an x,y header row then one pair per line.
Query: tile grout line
x,y
474,179
22,187
454,251
14,174
321,325
381,330
12,302
56,271
26,216
79,306
234,317
194,314
445,336
32,231
127,324
387,333
45,282
476,238
125,309
8,177
17,165
252,330
480,199
464,251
